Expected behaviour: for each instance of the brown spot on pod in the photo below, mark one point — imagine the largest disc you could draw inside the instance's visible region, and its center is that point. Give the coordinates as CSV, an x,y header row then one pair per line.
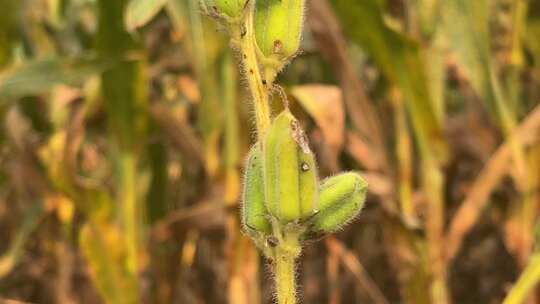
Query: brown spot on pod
x,y
278,47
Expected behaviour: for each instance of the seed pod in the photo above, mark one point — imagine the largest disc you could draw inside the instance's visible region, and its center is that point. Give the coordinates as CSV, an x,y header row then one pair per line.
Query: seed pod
x,y
341,199
254,214
309,191
289,171
231,8
278,27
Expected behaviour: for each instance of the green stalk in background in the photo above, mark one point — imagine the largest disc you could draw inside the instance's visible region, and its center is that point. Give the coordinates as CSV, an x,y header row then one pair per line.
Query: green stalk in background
x,y
209,121
124,90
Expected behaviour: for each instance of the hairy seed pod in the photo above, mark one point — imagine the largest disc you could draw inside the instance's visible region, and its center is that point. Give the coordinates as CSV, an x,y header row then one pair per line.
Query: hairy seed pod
x,y
230,8
341,199
309,192
278,27
289,171
254,214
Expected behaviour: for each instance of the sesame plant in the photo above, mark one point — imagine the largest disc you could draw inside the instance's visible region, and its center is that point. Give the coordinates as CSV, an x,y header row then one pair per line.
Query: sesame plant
x,y
284,203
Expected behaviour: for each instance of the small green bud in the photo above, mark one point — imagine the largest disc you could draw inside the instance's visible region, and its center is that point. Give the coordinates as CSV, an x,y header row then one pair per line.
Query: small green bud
x,y
254,214
230,8
278,27
289,171
341,199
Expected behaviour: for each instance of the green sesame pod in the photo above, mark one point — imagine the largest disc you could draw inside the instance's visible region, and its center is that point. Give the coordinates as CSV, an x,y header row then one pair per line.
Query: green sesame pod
x,y
281,167
341,199
308,183
278,27
254,214
231,8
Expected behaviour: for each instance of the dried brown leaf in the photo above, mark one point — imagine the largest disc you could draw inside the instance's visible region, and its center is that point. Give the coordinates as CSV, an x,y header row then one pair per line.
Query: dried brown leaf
x,y
325,104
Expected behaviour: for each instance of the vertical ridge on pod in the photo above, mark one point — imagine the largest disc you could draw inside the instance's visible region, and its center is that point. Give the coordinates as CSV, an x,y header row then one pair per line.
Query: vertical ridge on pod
x,y
281,169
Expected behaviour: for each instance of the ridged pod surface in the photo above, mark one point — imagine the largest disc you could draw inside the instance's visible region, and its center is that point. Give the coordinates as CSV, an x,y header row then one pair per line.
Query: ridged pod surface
x,y
290,172
278,26
254,214
341,199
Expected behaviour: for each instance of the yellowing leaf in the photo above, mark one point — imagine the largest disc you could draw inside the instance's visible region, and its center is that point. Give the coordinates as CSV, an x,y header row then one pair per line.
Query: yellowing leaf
x,y
102,246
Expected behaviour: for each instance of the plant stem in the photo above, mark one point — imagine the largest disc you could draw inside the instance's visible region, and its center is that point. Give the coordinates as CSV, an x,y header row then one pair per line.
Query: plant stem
x,y
128,170
244,38
285,278
284,257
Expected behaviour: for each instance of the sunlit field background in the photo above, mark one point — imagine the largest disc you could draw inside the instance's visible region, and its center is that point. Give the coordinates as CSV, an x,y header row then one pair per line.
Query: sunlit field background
x,y
125,125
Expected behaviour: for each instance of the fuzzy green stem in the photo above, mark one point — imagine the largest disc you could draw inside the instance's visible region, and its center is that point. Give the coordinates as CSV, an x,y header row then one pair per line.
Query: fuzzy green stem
x,y
285,277
284,258
243,37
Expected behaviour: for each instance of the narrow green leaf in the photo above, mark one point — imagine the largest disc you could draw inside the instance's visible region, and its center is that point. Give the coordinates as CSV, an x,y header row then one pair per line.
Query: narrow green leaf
x,y
35,77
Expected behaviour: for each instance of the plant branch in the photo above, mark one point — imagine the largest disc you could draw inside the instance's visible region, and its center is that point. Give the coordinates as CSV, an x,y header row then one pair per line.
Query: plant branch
x,y
284,259
243,38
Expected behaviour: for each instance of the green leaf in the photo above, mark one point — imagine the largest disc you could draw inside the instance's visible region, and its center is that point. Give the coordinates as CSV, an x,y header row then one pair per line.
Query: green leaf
x,y
36,77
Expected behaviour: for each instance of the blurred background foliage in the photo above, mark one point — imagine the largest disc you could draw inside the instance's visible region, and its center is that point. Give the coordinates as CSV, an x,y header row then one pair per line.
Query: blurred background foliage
x,y
125,125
